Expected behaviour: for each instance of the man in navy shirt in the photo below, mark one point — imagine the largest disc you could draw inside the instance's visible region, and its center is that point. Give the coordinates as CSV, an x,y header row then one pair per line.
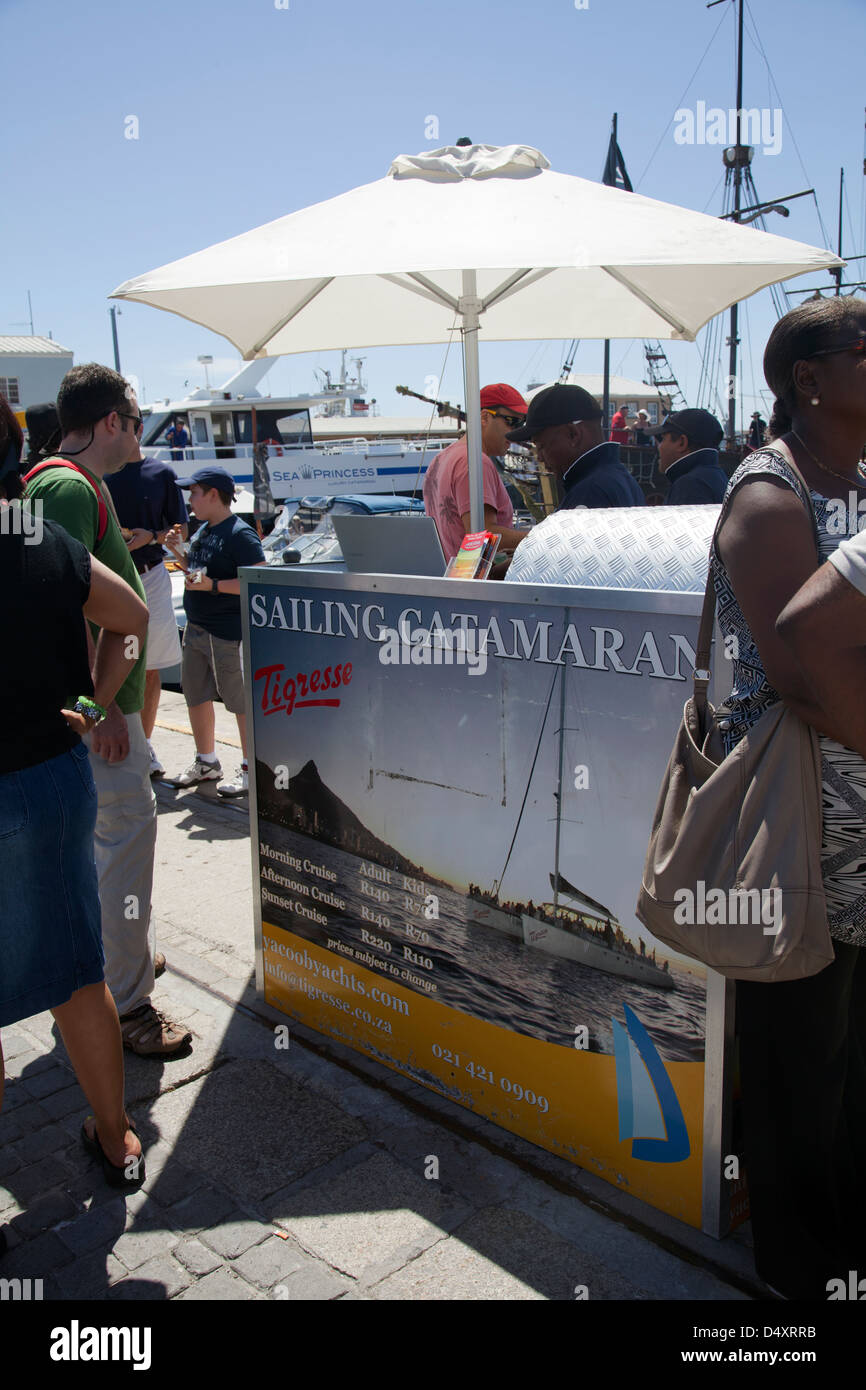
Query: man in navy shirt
x,y
565,425
211,666
148,503
178,438
689,457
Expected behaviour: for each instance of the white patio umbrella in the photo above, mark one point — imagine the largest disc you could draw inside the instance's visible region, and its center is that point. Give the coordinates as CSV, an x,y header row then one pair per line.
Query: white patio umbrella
x,y
464,237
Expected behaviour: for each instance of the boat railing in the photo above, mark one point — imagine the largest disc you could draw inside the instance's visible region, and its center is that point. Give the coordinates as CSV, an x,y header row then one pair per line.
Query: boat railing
x,y
358,446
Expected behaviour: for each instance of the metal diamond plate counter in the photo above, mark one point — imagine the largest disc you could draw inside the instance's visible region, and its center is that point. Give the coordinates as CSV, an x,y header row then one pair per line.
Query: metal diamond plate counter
x,y
652,548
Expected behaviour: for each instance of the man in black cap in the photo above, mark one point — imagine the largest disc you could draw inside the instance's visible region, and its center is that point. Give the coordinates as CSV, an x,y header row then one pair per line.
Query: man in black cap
x,y
689,457
211,665
565,425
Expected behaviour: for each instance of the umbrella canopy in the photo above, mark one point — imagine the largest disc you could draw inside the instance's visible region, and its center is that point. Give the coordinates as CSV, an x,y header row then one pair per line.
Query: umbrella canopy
x,y
464,237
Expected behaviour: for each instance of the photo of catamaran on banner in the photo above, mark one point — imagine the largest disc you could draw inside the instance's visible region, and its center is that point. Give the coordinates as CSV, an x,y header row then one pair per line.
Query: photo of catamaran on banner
x,y
507,859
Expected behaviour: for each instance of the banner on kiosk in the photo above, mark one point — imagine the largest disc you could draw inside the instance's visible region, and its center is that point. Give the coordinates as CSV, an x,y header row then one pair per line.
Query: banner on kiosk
x,y
454,799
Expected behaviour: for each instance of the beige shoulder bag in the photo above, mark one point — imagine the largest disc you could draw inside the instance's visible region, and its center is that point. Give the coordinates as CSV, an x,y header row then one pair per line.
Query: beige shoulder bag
x,y
733,869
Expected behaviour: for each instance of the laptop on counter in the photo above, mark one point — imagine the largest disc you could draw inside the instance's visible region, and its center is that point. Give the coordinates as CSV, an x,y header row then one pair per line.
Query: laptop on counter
x,y
390,545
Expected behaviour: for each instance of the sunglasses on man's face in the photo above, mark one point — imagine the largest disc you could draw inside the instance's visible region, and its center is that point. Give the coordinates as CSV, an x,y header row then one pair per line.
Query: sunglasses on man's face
x,y
512,421
138,426
857,345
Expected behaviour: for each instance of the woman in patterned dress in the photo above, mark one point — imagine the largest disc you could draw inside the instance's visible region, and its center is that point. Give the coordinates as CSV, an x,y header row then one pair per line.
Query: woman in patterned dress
x,y
803,1043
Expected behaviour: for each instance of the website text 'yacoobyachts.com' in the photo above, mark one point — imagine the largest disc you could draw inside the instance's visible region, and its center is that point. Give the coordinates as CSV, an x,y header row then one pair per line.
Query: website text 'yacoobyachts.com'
x,y
337,975
750,1354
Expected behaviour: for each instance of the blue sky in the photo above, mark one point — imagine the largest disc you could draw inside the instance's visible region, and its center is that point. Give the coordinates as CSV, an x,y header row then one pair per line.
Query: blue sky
x,y
246,111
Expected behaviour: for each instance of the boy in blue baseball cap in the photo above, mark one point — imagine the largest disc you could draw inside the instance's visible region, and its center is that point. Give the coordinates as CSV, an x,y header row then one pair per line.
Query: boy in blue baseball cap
x,y
211,661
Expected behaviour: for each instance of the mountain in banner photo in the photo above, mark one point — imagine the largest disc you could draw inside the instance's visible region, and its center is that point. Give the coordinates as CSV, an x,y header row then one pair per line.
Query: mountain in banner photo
x,y
308,807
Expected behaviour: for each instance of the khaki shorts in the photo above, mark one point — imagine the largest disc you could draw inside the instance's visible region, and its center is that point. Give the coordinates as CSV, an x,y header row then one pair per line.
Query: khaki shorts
x,y
211,670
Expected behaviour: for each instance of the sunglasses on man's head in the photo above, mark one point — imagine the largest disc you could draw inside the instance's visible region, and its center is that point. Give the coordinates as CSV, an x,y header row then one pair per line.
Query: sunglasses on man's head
x,y
857,345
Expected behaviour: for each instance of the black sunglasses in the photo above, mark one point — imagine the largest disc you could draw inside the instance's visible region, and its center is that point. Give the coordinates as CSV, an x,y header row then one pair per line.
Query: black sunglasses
x,y
139,420
857,345
511,420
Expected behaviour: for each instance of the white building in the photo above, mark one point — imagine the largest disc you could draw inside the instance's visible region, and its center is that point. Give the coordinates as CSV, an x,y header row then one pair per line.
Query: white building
x,y
634,395
31,369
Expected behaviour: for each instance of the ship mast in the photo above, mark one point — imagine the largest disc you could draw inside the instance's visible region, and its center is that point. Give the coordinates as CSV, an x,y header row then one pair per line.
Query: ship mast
x,y
736,158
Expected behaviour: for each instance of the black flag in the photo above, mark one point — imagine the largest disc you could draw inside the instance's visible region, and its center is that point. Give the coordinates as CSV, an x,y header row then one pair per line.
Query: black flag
x,y
615,173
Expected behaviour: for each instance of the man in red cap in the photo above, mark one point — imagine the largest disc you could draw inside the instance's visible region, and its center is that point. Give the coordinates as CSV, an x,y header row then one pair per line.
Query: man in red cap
x,y
446,485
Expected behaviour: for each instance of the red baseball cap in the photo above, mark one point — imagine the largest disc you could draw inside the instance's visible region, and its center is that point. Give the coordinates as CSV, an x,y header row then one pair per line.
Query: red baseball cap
x,y
503,394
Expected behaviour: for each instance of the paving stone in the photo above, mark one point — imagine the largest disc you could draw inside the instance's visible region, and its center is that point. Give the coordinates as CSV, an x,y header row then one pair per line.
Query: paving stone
x,y
204,1208
15,1096
501,1254
287,1130
14,1043
42,1142
39,1177
370,1219
65,1102
10,1130
476,1175
220,1285
44,1212
134,1248
315,1282
231,1238
196,1257
26,1057
173,1183
46,1083
89,1277
10,1161
271,1262
160,1278
99,1227
36,1259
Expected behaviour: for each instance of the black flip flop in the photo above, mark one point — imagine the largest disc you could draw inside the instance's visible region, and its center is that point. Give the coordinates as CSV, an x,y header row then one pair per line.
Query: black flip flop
x,y
114,1176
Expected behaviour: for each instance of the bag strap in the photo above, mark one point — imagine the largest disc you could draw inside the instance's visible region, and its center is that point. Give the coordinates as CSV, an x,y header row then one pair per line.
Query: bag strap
x,y
102,509
702,672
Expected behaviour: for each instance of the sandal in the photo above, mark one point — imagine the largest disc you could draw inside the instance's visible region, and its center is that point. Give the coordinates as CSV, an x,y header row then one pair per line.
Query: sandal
x,y
123,1176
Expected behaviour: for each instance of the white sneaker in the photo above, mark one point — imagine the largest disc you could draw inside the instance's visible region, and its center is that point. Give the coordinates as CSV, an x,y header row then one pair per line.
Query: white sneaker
x,y
156,767
200,771
239,787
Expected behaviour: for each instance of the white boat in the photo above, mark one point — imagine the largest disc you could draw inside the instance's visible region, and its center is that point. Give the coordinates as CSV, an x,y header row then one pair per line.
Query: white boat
x,y
227,424
583,929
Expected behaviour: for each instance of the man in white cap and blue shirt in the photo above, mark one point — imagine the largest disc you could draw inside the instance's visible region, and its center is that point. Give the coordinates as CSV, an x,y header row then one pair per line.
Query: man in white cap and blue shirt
x,y
565,425
211,664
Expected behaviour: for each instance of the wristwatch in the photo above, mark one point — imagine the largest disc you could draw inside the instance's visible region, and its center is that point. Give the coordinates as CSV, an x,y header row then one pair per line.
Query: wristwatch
x,y
90,710
213,586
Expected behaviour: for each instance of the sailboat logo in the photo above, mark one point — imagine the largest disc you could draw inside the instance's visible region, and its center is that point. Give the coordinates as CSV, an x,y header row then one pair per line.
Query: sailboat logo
x,y
649,1112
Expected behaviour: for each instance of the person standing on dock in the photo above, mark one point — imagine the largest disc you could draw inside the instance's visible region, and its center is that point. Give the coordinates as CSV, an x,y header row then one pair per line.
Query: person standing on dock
x,y
689,457
446,484
565,425
149,503
100,422
211,664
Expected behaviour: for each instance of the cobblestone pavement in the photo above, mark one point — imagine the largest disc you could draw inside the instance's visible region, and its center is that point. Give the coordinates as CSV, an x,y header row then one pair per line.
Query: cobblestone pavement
x,y
299,1173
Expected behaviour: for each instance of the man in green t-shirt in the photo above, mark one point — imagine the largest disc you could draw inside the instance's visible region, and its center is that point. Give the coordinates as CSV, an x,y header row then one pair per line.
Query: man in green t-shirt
x,y
100,422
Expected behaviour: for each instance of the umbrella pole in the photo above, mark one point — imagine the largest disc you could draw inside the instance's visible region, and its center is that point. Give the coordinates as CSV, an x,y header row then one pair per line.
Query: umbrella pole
x,y
469,306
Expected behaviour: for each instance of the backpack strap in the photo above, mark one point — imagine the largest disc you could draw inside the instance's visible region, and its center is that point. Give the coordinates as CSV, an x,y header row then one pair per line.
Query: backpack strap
x,y
102,513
